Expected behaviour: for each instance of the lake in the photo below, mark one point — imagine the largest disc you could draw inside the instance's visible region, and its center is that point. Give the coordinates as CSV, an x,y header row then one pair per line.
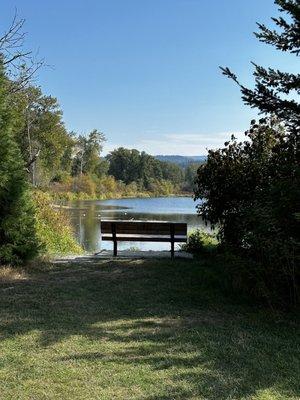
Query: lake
x,y
86,215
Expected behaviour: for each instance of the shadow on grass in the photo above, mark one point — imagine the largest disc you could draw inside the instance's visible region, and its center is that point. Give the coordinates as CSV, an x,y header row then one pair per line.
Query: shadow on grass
x,y
163,315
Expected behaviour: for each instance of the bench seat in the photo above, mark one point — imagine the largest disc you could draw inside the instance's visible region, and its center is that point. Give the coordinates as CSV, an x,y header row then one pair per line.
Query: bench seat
x,y
145,238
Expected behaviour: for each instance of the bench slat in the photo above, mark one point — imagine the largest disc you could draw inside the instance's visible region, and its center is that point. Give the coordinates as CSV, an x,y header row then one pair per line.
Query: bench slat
x,y
141,227
178,239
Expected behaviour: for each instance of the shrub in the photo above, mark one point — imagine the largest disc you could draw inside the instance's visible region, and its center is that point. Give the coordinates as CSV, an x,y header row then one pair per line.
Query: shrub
x,y
161,187
131,189
85,184
251,190
62,177
200,242
53,227
107,184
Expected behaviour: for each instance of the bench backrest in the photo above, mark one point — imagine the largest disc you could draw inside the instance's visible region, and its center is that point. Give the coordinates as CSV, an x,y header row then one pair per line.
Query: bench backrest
x,y
143,228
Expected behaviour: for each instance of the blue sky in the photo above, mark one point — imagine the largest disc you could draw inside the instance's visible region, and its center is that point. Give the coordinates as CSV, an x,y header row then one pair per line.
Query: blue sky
x,y
145,72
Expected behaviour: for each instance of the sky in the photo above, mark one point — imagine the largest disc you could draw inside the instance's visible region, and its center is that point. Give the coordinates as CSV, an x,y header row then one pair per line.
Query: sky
x,y
146,72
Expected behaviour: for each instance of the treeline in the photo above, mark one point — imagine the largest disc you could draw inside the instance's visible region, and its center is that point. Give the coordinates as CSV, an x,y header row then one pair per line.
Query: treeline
x,y
72,165
123,172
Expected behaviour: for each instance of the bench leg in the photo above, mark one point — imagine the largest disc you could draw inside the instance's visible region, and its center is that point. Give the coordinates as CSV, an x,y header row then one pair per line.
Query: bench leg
x,y
172,233
115,248
172,250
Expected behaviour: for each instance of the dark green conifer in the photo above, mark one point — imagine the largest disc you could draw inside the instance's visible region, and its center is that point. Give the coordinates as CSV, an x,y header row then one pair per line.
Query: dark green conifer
x,y
276,92
18,241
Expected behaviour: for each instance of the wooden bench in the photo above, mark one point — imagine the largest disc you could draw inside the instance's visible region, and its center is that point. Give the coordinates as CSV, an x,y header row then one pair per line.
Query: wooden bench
x,y
143,231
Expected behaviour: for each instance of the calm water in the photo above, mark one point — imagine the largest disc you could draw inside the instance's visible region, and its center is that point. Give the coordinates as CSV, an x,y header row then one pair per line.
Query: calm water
x,y
86,216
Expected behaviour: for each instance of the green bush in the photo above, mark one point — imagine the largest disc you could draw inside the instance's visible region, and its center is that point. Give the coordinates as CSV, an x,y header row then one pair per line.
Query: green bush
x,y
53,228
251,191
200,242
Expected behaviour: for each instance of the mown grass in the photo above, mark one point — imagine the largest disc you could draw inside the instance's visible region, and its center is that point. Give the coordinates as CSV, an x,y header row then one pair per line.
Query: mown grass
x,y
140,330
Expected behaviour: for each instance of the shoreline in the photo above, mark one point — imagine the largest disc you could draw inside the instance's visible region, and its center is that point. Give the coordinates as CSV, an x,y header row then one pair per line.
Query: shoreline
x,y
139,196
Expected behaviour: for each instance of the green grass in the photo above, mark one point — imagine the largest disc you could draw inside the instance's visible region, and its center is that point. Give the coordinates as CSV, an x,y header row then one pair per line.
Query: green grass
x,y
140,330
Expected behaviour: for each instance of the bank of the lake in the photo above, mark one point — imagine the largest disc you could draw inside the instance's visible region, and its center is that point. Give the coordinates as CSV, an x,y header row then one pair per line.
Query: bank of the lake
x,y
72,196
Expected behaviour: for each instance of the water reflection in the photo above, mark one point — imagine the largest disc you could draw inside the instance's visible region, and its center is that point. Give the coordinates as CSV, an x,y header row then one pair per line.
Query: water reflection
x,y
86,216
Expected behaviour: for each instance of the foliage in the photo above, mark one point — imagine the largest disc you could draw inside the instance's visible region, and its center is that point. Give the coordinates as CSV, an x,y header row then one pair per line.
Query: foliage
x,y
161,187
252,194
251,189
273,87
87,154
40,130
53,228
148,172
190,175
172,172
52,154
200,242
124,165
84,184
18,242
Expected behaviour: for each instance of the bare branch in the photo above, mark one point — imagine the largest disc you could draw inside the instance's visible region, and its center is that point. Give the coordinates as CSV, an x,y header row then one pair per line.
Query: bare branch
x,y
20,66
15,57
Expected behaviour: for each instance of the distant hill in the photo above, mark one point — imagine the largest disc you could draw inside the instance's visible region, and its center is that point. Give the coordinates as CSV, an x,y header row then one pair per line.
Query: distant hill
x,y
182,160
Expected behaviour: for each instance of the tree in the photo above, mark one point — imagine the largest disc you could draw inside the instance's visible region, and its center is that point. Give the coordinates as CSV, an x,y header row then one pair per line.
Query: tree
x,y
149,169
272,87
190,175
92,151
126,165
133,166
17,223
276,93
172,172
20,65
45,144
251,189
88,150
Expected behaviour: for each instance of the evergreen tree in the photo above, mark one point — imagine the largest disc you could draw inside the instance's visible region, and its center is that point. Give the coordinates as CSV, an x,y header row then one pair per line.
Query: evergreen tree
x,y
273,87
18,241
251,189
276,93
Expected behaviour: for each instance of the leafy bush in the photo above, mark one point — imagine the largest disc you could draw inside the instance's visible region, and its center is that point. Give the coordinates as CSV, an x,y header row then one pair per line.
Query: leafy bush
x,y
53,227
251,189
161,187
85,184
200,242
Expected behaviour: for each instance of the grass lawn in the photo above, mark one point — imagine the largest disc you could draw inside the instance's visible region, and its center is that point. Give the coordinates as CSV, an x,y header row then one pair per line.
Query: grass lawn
x,y
140,330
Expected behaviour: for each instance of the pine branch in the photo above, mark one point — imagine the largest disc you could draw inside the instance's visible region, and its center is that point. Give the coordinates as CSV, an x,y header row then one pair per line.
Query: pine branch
x,y
283,82
289,37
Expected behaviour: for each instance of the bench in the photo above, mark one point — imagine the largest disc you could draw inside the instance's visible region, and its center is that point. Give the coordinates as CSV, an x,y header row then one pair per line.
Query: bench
x,y
143,231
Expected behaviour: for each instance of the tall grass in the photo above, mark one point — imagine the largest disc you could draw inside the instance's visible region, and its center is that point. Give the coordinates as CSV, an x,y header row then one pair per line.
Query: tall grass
x,y
53,228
